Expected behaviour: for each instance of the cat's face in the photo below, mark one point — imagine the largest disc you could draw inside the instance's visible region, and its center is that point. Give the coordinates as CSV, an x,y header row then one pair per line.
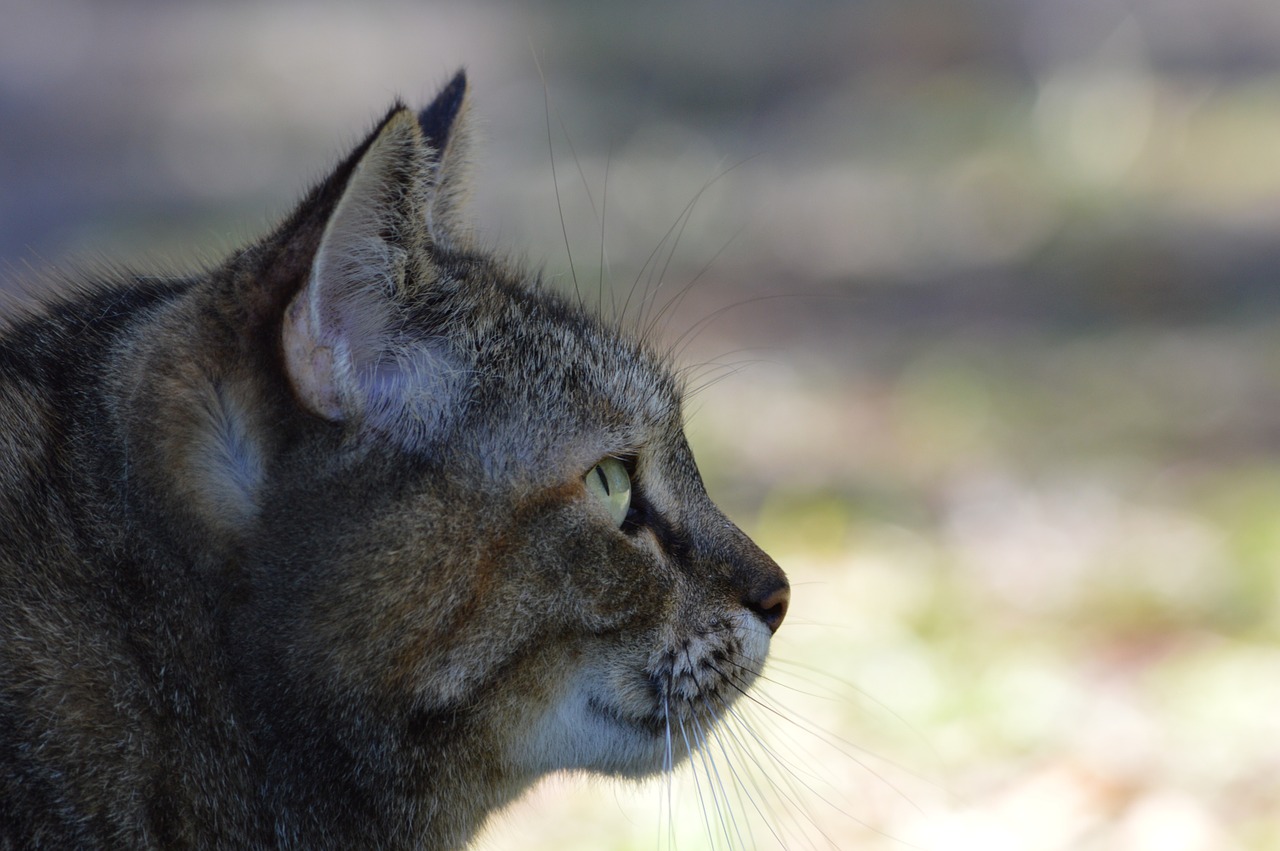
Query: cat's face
x,y
490,519
491,566
642,619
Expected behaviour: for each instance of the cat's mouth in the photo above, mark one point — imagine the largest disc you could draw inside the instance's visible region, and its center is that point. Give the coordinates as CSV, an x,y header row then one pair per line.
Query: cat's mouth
x,y
696,679
638,717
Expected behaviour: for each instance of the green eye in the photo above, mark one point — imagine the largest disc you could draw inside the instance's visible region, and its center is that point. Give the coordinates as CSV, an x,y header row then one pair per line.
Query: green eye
x,y
611,484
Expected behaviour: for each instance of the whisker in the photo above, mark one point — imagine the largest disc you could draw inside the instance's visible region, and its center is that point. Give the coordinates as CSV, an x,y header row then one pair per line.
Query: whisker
x,y
832,695
555,180
715,786
771,705
678,346
743,782
577,161
714,780
792,795
785,784
764,678
668,768
680,296
640,275
675,244
865,695
692,377
648,270
650,324
697,785
770,818
604,201
799,773
668,759
798,819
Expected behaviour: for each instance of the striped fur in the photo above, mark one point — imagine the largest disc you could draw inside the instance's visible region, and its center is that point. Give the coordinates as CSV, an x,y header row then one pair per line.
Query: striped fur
x,y
296,552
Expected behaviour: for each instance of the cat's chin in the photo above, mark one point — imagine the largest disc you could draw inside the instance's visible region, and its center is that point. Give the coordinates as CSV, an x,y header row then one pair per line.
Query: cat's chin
x,y
617,725
587,731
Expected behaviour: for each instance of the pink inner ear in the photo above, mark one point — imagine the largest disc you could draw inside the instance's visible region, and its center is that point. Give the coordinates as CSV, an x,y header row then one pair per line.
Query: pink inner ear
x,y
310,364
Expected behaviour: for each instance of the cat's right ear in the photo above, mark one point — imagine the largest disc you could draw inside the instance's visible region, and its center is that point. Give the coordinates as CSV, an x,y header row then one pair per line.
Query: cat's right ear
x,y
344,352
446,126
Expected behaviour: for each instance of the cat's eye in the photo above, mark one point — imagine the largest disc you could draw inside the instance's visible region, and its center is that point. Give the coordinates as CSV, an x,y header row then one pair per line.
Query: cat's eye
x,y
610,482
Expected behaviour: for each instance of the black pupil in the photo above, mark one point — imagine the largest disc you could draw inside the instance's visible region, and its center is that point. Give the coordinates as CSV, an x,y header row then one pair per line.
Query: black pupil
x,y
604,480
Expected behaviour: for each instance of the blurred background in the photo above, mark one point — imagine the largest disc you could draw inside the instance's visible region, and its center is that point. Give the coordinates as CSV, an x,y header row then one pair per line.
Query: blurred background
x,y
980,301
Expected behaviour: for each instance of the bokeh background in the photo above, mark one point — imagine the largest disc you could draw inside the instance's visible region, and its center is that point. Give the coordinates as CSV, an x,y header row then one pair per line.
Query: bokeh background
x,y
983,325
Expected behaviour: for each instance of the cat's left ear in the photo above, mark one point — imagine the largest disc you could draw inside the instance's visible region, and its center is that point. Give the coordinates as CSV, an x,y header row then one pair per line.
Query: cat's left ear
x,y
380,217
347,352
446,127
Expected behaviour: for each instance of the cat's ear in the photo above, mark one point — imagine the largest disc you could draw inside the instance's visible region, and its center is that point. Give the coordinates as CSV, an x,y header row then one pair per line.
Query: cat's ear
x,y
345,352
446,126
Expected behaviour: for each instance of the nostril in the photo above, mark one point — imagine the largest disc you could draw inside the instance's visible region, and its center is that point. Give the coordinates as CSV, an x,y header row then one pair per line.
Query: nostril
x,y
771,608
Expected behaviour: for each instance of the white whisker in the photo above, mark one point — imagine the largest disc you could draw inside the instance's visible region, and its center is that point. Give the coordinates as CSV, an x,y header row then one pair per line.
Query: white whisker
x,y
758,749
719,792
743,782
760,801
702,803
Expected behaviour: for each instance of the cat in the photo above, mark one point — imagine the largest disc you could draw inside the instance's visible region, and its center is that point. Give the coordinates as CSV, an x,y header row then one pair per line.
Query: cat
x,y
347,541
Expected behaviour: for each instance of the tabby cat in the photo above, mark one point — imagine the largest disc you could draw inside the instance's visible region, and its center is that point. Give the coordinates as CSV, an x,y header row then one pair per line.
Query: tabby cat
x,y
347,541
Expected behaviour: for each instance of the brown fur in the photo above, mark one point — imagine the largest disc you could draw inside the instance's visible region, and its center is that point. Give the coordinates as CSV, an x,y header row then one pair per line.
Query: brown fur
x,y
297,553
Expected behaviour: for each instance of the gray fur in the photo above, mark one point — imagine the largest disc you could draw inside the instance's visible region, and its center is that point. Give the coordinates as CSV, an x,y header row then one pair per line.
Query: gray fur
x,y
297,553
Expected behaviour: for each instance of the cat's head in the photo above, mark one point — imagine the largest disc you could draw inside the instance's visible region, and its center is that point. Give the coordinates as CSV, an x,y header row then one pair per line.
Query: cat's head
x,y
465,503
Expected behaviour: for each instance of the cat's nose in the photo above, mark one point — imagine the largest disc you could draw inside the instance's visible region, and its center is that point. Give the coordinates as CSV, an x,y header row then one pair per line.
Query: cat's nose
x,y
757,581
770,607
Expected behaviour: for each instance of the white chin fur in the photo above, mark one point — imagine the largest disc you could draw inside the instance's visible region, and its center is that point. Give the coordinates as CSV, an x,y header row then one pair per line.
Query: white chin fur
x,y
590,728
577,734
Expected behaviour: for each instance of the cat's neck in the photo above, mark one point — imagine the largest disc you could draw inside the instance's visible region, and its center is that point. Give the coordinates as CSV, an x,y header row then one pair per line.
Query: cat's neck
x,y
429,785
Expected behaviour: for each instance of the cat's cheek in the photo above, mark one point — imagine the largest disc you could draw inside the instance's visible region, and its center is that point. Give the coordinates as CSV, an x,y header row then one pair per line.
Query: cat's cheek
x,y
627,586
